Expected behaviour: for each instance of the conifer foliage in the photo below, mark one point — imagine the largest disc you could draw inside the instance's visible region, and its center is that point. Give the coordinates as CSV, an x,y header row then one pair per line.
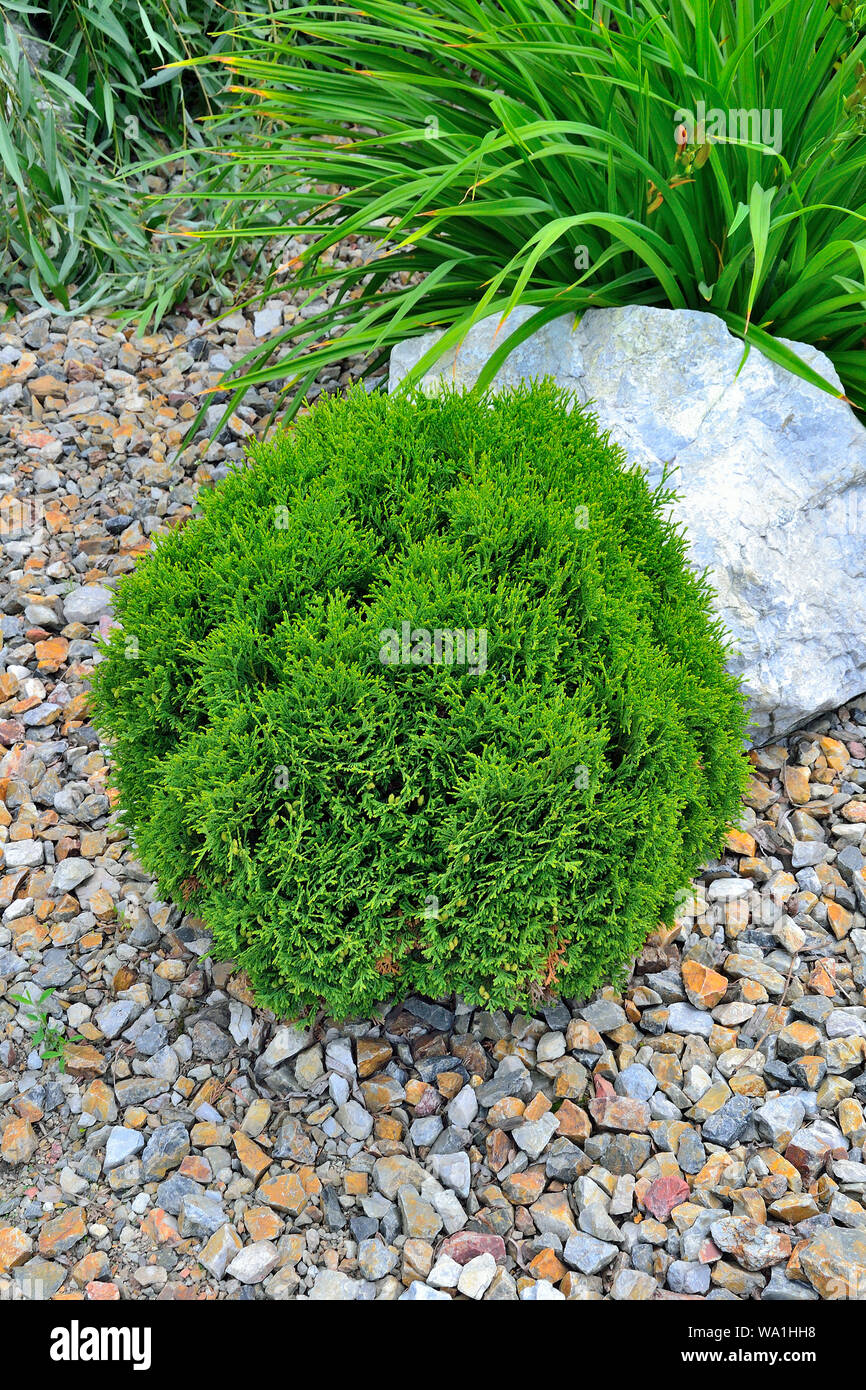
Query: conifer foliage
x,y
355,807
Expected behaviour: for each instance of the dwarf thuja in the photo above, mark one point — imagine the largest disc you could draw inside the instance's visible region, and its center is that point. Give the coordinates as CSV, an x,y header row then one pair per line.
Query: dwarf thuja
x,y
428,698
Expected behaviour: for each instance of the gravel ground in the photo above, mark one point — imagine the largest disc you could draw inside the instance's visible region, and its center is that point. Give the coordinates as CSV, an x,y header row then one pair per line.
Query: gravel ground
x,y
698,1136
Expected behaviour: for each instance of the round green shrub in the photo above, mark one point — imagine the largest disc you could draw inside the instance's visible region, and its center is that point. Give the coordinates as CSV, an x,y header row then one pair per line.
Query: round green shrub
x,y
354,815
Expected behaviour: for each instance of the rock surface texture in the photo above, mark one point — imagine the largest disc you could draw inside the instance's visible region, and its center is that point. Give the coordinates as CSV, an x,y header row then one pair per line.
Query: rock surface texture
x,y
771,474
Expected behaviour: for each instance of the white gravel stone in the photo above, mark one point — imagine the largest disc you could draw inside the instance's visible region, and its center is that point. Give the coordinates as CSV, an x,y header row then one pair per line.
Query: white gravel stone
x,y
463,1108
476,1276
23,854
87,604
445,1274
122,1143
254,1263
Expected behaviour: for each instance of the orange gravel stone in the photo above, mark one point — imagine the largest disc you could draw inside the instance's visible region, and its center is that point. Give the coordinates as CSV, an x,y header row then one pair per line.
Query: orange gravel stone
x,y
284,1192
739,842
63,1232
15,1247
262,1223
19,1143
97,1292
705,988
253,1160
91,1267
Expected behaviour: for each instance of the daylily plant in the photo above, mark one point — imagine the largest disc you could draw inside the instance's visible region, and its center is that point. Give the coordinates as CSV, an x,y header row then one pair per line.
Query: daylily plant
x,y
477,144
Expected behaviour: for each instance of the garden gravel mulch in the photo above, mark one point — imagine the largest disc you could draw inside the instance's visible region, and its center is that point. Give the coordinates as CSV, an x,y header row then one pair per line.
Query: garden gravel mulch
x,y
698,1135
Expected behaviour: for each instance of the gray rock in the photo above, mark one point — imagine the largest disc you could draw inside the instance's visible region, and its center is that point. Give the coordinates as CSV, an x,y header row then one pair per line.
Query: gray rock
x,y
57,971
635,1081
759,487
171,1193
779,1119
285,1044
375,1260
309,1067
688,1276
392,1173
268,320
594,1221
454,1218
728,1123
849,1174
588,1255
135,1090
551,1046
433,1015
781,1289
39,1279
210,1042
11,964
604,1015
293,1142
445,1274
629,1284
126,1175
164,1064
23,854
338,1058
508,1081
683,1018
335,1217
332,1286
254,1263
476,1276
87,604
165,1150
463,1108
338,1088
422,1293
534,1137
454,1170
849,861
807,852
122,1144
69,873
355,1120
725,890
201,1215
846,1023
425,1130
564,1161
113,1017
151,1040
220,1250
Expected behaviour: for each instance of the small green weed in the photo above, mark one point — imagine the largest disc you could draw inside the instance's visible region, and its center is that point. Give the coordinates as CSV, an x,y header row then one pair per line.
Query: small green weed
x,y
50,1041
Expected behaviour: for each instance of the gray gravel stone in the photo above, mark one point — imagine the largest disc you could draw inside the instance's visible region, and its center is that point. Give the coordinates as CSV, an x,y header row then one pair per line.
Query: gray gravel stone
x,y
87,604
